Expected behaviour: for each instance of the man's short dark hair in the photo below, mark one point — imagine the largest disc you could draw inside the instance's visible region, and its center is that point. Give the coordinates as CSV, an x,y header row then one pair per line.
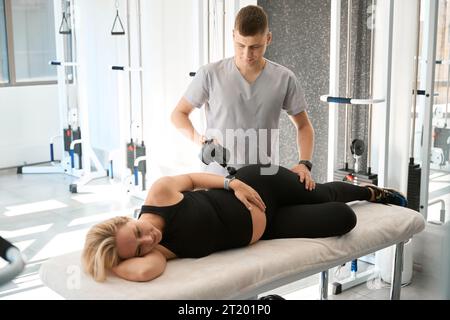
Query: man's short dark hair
x,y
251,20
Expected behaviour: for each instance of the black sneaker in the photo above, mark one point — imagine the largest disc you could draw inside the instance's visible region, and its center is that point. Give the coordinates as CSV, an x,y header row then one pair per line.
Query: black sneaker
x,y
272,297
389,196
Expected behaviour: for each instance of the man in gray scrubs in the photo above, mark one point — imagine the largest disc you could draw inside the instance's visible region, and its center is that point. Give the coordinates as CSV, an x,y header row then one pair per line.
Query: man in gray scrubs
x,y
243,96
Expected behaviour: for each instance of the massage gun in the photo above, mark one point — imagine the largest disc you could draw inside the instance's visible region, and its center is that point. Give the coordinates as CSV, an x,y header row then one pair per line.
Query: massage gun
x,y
214,152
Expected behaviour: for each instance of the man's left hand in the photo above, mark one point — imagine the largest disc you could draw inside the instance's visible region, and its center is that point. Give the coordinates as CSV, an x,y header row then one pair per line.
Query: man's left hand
x,y
304,175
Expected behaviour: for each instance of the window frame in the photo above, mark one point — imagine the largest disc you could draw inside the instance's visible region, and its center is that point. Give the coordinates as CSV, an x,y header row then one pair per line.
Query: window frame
x,y
10,55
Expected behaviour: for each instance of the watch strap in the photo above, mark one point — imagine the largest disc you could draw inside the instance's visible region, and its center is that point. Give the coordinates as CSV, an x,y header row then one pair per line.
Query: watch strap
x,y
306,163
227,181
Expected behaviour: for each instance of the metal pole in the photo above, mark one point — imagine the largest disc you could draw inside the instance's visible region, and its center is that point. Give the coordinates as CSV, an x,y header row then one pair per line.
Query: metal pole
x,y
74,69
130,95
369,120
141,122
65,59
416,72
347,83
431,34
384,155
223,29
446,100
448,78
333,113
397,272
209,33
323,285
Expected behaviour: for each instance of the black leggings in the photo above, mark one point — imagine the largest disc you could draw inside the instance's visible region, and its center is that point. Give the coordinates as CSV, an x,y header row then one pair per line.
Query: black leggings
x,y
294,212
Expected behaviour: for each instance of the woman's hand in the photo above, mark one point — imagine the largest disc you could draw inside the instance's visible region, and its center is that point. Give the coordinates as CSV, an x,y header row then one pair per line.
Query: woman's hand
x,y
247,195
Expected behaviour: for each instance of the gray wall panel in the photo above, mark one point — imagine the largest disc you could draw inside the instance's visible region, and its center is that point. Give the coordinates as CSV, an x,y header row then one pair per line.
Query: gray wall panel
x,y
301,40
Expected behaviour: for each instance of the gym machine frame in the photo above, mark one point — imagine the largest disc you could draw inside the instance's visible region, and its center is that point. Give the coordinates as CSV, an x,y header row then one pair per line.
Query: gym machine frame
x,y
428,78
333,98
135,153
357,146
67,165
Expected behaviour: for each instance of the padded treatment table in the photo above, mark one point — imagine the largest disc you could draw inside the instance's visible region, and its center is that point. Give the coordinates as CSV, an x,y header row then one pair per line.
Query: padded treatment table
x,y
246,272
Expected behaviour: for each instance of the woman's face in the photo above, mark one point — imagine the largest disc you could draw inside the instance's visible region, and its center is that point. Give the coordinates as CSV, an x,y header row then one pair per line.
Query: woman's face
x,y
136,239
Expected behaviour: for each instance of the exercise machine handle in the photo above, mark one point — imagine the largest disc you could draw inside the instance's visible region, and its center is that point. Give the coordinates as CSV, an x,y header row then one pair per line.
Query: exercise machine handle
x,y
342,100
335,99
124,68
65,64
16,261
424,93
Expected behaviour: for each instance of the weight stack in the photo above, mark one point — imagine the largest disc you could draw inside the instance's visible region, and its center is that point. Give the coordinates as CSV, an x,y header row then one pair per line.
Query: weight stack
x,y
131,155
413,195
140,151
340,174
142,167
67,134
76,135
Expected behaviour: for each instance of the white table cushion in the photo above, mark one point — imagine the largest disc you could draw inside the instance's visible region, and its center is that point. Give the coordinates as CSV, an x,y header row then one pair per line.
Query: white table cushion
x,y
240,273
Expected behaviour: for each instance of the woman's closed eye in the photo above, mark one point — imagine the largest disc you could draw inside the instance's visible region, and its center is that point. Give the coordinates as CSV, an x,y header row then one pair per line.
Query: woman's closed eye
x,y
138,235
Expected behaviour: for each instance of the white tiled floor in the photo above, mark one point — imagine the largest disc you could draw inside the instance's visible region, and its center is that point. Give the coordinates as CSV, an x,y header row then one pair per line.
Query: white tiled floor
x,y
373,289
41,217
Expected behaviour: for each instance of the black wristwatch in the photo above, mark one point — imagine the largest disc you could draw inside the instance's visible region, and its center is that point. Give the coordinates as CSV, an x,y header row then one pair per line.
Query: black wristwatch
x,y
307,163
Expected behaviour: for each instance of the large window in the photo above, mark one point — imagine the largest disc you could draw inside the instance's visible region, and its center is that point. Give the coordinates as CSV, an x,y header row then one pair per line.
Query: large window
x,y
27,42
4,78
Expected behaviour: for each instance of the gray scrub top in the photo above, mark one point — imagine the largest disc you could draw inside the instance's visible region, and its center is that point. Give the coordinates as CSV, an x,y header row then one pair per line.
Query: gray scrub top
x,y
239,111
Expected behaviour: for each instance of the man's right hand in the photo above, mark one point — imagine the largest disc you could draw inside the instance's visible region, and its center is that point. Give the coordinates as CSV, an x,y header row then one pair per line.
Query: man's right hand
x,y
180,119
304,176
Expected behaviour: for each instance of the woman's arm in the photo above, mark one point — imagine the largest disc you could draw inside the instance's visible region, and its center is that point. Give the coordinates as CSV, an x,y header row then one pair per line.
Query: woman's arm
x,y
167,190
190,181
144,268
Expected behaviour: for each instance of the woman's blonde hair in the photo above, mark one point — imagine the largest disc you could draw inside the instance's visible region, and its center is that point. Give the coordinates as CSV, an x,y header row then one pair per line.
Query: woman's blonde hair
x,y
100,252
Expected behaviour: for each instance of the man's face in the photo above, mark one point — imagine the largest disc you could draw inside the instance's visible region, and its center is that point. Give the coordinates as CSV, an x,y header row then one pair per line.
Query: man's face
x,y
250,50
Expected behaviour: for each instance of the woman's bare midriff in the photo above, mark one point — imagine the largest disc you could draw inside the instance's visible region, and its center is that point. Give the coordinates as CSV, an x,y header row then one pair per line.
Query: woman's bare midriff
x,y
259,223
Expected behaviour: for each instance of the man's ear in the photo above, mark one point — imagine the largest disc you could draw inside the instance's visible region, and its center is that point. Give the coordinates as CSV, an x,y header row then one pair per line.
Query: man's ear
x,y
269,38
233,33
